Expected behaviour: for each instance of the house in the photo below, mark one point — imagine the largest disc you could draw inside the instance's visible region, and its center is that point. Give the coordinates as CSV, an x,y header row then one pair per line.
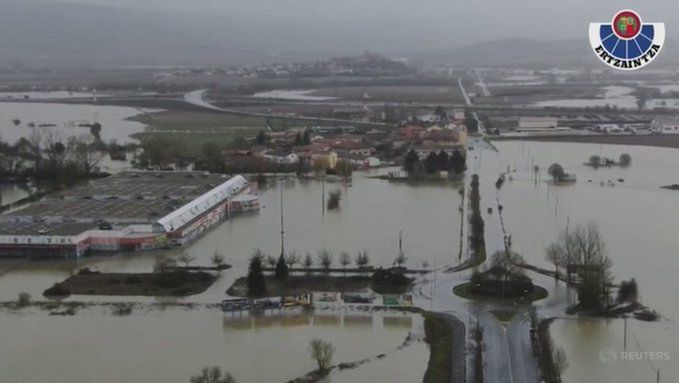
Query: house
x,y
412,132
346,148
665,125
281,157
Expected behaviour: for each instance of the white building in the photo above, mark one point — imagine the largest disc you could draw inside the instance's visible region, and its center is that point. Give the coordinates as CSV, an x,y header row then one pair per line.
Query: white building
x,y
665,125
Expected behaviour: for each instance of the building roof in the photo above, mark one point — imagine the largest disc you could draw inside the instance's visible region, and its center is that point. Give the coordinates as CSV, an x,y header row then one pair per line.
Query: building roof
x,y
200,205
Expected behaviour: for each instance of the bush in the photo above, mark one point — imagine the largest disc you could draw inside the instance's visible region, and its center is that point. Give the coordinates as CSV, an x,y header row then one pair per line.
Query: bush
x,y
24,299
57,290
389,281
86,270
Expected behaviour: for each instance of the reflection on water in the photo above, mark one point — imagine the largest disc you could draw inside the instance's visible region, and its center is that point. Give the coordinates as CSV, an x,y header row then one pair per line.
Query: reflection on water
x,y
65,120
172,345
637,220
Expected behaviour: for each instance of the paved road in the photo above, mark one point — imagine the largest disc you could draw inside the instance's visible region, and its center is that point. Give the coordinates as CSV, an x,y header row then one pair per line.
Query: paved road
x,y
196,97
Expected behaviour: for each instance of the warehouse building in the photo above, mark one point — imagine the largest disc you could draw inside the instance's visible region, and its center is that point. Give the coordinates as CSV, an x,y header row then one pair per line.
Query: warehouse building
x,y
129,211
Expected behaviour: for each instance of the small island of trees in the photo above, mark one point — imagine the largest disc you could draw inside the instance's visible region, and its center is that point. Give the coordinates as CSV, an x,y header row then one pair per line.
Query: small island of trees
x,y
595,161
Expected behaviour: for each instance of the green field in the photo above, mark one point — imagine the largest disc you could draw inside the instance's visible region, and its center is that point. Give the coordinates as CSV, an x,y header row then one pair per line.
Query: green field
x,y
195,121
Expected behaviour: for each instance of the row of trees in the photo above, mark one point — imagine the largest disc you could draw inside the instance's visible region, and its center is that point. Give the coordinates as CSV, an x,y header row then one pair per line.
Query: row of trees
x,y
324,259
433,163
477,225
52,156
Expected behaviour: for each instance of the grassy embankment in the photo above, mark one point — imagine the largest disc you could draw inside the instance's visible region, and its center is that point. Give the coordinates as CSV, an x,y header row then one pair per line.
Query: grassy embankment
x,y
177,283
464,291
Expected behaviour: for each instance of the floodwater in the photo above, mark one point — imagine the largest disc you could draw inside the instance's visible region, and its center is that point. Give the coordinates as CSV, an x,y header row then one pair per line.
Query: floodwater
x,y
371,215
173,344
285,94
618,96
12,192
638,221
56,95
64,119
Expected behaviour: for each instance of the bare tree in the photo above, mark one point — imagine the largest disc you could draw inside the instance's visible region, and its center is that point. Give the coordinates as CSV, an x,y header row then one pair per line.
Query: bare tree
x,y
559,359
185,258
322,352
400,259
324,258
162,263
55,149
85,156
344,260
362,259
583,249
258,253
35,145
217,259
292,258
308,261
212,375
271,261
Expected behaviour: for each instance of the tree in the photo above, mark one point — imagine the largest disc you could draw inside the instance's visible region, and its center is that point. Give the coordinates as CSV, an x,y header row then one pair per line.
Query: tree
x,y
440,112
411,161
217,259
306,137
344,260
185,258
292,258
324,259
582,249
281,271
322,353
470,121
554,254
24,299
334,198
400,259
430,163
559,359
308,261
362,259
85,156
162,263
95,130
258,253
212,375
271,261
556,171
255,278
594,161
457,162
628,292
442,161
625,159
261,138
35,145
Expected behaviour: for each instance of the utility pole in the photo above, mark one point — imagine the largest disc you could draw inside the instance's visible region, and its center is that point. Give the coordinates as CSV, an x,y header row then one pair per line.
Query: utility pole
x,y
282,230
624,344
323,194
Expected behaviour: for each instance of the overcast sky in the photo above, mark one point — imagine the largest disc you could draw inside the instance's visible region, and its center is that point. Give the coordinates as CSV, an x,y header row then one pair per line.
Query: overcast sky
x,y
388,26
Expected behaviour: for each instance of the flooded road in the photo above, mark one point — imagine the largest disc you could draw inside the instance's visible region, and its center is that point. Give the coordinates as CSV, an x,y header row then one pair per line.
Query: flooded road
x,y
637,220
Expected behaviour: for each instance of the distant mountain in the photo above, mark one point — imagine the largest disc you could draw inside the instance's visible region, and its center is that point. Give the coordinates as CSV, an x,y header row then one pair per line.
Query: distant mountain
x,y
523,52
